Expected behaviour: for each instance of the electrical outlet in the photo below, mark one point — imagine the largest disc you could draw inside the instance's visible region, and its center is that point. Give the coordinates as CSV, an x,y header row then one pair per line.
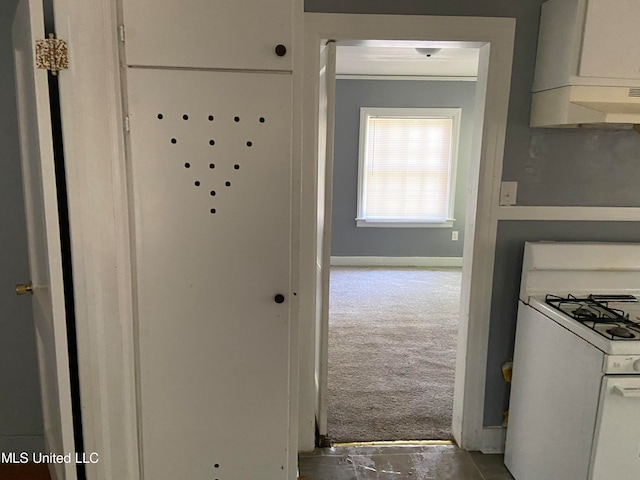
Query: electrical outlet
x,y
454,235
508,193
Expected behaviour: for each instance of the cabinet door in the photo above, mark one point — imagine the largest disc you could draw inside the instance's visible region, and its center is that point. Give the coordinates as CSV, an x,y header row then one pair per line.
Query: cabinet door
x,y
617,438
611,39
227,34
211,174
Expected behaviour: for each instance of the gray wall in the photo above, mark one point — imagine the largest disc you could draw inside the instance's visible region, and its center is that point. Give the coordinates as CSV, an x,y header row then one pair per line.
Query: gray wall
x,y
349,240
20,411
551,166
578,167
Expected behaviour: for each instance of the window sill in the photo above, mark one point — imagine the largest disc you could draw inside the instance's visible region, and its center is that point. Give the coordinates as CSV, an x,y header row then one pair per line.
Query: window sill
x,y
399,224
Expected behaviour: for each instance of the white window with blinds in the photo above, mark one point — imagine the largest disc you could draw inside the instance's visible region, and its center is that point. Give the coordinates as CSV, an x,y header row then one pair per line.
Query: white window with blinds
x,y
407,165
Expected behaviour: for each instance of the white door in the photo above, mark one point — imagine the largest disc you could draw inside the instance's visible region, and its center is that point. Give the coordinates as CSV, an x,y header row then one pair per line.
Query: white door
x,y
323,244
210,156
616,447
45,260
234,34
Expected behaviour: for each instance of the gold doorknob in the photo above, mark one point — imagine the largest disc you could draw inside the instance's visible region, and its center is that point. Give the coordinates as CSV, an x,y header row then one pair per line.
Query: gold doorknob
x,y
23,288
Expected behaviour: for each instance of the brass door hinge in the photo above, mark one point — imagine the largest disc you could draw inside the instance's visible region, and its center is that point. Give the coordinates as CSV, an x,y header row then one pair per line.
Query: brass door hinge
x,y
52,54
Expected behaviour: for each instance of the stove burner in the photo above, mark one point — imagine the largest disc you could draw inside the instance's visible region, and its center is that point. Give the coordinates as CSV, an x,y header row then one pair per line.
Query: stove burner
x,y
582,313
596,313
620,332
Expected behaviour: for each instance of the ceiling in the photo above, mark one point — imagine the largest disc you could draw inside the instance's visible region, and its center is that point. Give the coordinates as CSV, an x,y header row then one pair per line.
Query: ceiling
x,y
403,60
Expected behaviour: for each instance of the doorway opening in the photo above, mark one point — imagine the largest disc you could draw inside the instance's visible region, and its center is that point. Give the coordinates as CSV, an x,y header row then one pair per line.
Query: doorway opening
x,y
493,37
399,166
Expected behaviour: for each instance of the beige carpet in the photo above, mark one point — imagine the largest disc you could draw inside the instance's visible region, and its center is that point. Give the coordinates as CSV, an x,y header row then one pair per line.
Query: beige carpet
x,y
392,350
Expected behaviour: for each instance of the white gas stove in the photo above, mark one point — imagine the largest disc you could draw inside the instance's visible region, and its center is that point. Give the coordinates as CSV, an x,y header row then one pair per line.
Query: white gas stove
x,y
574,410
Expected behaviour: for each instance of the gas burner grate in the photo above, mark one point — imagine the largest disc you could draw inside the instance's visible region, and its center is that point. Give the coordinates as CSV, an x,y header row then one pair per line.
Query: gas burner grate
x,y
585,309
594,312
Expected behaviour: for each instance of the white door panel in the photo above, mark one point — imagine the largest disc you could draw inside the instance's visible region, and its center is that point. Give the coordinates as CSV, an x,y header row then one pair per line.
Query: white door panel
x,y
230,34
616,448
213,344
45,258
323,243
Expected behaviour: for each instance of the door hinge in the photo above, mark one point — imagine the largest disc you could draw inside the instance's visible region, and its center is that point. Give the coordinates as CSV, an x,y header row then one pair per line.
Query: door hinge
x,y
127,123
323,441
52,54
121,33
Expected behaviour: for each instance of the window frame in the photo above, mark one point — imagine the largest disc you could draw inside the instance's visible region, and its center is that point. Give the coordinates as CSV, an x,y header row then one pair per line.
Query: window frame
x,y
402,112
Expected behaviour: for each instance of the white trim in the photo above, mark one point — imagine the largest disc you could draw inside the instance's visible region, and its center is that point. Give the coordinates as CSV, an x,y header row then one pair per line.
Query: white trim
x,y
422,78
326,132
493,439
92,125
363,222
397,261
492,98
453,113
297,67
599,214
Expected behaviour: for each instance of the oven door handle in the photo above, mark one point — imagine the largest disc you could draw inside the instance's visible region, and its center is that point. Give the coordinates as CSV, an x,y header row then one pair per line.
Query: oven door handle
x,y
627,391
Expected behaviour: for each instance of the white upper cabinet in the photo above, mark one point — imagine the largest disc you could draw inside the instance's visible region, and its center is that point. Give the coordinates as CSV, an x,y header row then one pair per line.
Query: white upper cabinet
x,y
588,42
224,34
610,45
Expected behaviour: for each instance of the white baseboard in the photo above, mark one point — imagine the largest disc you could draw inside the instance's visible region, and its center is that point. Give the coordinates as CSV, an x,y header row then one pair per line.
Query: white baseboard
x,y
22,443
493,439
397,261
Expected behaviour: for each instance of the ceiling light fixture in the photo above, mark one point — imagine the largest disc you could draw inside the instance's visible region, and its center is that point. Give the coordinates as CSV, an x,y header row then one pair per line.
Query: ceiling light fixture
x,y
428,52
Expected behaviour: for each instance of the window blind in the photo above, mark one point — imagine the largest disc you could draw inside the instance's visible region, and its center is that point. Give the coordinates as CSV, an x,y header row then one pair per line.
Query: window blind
x,y
408,165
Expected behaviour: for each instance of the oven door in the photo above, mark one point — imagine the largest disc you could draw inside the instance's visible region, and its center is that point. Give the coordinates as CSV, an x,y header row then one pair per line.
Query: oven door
x,y
616,445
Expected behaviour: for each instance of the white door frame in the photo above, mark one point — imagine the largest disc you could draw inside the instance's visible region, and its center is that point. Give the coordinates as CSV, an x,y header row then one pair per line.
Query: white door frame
x,y
495,37
327,88
92,128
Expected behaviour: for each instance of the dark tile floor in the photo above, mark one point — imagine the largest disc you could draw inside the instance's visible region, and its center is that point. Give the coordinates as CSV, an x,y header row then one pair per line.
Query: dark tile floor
x,y
424,462
27,471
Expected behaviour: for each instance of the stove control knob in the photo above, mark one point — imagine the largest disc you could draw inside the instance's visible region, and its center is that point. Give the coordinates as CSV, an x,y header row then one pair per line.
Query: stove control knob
x,y
636,365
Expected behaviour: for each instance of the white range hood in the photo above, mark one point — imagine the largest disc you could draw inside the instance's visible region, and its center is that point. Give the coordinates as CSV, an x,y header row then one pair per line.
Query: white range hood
x,y
587,65
582,105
